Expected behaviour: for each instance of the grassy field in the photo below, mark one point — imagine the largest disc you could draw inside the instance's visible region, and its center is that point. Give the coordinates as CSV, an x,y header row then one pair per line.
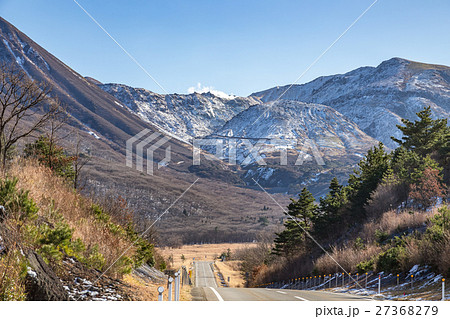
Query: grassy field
x,y
207,252
230,269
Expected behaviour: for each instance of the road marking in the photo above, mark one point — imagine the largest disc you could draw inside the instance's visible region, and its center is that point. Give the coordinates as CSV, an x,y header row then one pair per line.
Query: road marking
x,y
216,293
281,292
196,274
302,299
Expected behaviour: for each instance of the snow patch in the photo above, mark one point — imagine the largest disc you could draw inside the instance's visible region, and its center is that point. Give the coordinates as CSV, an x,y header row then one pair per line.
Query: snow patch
x,y
94,135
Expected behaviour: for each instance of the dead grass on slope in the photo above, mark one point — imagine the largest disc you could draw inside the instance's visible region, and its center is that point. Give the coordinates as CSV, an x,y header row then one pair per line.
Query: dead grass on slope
x,y
54,197
393,221
347,257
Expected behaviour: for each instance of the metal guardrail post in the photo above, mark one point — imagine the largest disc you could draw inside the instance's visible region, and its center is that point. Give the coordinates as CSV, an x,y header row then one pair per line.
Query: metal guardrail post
x,y
160,293
177,285
379,284
443,289
366,279
170,288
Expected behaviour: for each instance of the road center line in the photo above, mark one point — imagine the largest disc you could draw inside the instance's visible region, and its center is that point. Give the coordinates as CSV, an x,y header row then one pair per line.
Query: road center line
x,y
281,292
302,299
216,293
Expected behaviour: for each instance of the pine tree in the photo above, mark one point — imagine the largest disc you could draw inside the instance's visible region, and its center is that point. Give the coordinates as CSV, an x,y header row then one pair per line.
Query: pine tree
x,y
366,178
301,214
330,208
409,166
424,135
52,156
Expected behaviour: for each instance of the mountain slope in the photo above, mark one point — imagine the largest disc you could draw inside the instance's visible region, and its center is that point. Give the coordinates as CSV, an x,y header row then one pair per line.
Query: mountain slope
x,y
285,119
319,142
104,126
185,116
246,122
376,98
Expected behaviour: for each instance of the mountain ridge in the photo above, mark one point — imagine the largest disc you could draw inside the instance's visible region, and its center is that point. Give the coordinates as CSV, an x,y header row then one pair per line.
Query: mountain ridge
x,y
376,98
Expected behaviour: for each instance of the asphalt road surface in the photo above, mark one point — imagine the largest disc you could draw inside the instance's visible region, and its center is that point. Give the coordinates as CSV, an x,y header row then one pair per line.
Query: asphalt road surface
x,y
206,289
204,275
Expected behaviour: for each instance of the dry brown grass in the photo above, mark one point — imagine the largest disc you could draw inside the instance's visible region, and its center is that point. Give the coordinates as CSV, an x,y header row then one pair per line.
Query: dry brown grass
x,y
347,257
199,252
231,269
11,282
54,196
140,289
208,252
392,221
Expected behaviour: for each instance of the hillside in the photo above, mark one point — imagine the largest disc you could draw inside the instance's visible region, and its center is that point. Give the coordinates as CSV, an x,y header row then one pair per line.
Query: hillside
x,y
180,115
390,218
56,244
104,126
245,121
320,143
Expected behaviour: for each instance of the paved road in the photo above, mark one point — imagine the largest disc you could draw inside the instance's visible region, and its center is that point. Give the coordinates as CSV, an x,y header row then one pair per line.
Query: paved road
x,y
206,289
204,275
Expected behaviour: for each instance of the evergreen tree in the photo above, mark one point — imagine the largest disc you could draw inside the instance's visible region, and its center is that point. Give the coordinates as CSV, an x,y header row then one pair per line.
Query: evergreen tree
x,y
301,214
330,209
424,135
409,166
52,156
366,178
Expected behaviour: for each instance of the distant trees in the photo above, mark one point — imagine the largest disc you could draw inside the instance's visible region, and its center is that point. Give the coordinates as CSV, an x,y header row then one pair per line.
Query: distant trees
x,y
25,106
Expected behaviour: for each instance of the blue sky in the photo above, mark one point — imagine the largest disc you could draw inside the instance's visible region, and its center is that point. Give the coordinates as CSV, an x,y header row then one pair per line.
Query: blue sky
x,y
236,46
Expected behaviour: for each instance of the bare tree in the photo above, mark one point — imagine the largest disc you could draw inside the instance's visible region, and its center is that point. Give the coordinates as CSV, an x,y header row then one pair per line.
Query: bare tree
x,y
80,160
25,106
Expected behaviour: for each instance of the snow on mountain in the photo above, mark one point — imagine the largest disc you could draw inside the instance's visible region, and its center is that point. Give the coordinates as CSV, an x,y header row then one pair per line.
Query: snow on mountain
x,y
289,124
376,98
183,115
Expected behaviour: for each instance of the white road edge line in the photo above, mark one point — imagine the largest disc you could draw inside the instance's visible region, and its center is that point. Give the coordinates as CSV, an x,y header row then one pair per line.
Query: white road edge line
x,y
216,293
302,299
281,292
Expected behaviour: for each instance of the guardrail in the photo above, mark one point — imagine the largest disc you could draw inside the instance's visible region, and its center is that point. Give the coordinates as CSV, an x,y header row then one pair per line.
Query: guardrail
x,y
177,281
363,281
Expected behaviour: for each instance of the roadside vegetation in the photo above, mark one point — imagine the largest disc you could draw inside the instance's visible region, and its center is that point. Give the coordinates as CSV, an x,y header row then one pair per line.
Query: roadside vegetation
x,y
41,207
391,214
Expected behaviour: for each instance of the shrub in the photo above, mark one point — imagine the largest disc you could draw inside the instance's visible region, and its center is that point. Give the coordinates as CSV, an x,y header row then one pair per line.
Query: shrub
x,y
381,236
392,259
348,257
16,201
52,156
13,269
365,266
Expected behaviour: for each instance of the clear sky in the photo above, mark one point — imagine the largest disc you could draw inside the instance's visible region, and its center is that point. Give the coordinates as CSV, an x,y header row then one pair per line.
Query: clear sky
x,y
236,46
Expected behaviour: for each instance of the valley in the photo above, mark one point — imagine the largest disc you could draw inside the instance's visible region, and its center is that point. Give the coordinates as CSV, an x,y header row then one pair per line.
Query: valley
x,y
131,171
